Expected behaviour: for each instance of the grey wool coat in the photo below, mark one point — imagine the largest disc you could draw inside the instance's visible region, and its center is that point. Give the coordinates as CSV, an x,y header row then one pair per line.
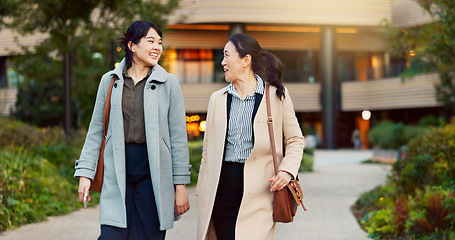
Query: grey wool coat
x,y
167,146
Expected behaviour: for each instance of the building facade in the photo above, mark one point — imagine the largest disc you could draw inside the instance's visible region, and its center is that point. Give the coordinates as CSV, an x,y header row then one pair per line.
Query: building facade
x,y
334,53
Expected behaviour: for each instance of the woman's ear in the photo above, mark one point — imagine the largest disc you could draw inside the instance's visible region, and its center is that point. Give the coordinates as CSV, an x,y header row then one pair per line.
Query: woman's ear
x,y
131,46
246,60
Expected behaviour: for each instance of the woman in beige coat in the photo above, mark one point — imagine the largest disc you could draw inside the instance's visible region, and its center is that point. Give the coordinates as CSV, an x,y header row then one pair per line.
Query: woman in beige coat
x,y
236,177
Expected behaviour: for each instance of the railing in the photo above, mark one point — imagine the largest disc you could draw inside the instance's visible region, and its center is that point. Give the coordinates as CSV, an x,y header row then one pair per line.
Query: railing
x,y
370,73
390,93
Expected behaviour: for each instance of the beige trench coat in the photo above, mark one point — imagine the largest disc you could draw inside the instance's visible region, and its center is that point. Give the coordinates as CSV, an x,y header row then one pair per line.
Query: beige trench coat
x,y
255,218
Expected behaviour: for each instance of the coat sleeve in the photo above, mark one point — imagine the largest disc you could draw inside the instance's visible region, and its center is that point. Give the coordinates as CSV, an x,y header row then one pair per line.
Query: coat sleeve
x,y
181,169
293,138
86,164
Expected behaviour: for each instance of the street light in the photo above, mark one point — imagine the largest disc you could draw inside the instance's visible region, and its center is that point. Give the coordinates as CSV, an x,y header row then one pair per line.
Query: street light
x,y
366,115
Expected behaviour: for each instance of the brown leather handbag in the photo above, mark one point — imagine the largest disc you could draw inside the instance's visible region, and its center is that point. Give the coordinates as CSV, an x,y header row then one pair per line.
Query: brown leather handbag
x,y
286,200
97,182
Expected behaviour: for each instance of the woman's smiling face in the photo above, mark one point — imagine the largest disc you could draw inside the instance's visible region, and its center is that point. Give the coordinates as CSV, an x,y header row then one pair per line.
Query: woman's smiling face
x,y
148,51
232,63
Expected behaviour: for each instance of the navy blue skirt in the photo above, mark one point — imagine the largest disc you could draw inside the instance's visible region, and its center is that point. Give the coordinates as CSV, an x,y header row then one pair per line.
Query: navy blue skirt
x,y
228,199
141,212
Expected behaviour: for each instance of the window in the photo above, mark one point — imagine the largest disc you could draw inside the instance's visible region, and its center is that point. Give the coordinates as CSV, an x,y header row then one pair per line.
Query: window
x,y
195,65
301,66
361,66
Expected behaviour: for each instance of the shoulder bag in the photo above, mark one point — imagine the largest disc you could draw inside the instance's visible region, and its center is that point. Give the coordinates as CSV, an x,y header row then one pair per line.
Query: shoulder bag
x,y
286,200
97,182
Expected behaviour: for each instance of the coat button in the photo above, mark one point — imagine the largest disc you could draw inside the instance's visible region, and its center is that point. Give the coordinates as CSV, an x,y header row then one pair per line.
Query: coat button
x,y
115,85
153,87
77,164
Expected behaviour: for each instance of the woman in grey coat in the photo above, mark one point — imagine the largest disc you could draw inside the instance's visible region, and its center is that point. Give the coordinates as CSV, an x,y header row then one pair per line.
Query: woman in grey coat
x,y
146,164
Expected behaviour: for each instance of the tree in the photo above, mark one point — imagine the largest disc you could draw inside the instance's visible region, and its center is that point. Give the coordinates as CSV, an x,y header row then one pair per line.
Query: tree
x,y
86,32
433,44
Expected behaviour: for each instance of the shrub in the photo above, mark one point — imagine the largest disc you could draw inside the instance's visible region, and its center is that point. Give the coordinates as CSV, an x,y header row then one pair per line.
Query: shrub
x,y
431,120
195,151
418,201
429,161
390,135
36,178
49,143
15,133
31,189
414,217
307,160
386,134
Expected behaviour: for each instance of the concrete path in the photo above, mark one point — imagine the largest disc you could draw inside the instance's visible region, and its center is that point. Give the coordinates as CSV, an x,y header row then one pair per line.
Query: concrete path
x,y
330,190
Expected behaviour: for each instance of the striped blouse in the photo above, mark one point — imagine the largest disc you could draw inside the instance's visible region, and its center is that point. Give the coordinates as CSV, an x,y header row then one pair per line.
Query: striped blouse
x,y
239,139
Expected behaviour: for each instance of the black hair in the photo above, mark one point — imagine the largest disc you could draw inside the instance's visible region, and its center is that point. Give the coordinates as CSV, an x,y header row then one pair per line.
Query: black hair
x,y
246,44
135,32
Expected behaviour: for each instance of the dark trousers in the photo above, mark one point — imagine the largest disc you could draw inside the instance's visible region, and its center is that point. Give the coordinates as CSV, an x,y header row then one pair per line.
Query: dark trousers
x,y
141,212
228,199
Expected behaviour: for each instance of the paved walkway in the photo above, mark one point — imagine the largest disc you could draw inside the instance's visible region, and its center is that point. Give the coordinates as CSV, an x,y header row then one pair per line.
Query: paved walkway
x,y
330,190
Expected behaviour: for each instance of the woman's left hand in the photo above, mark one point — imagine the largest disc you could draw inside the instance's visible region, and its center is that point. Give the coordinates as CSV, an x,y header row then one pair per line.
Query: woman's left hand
x,y
182,204
279,181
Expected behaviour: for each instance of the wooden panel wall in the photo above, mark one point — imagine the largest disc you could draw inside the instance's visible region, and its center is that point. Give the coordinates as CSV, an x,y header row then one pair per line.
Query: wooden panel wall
x,y
390,93
288,41
408,13
365,40
326,12
195,39
197,96
368,40
7,100
11,41
305,96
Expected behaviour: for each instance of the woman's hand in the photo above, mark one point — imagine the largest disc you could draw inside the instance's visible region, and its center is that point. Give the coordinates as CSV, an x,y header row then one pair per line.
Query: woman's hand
x,y
182,204
84,186
279,181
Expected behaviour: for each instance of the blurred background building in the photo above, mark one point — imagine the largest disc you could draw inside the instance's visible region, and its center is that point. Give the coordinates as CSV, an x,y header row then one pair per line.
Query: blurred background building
x,y
339,74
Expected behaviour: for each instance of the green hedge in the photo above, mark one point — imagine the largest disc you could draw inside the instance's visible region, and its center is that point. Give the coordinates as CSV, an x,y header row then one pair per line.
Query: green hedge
x,y
36,177
15,133
31,189
392,135
418,201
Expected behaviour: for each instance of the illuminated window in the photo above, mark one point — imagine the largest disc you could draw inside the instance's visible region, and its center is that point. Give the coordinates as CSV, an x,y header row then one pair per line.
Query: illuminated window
x,y
195,65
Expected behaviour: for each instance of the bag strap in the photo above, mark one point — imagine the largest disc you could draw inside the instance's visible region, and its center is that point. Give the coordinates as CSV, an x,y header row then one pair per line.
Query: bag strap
x,y
294,187
270,125
107,107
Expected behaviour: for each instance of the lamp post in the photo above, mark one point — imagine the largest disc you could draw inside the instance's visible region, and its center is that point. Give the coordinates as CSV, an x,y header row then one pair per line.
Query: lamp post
x,y
67,92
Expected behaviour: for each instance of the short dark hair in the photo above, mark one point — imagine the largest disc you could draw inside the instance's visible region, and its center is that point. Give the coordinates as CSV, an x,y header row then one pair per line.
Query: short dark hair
x,y
135,32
